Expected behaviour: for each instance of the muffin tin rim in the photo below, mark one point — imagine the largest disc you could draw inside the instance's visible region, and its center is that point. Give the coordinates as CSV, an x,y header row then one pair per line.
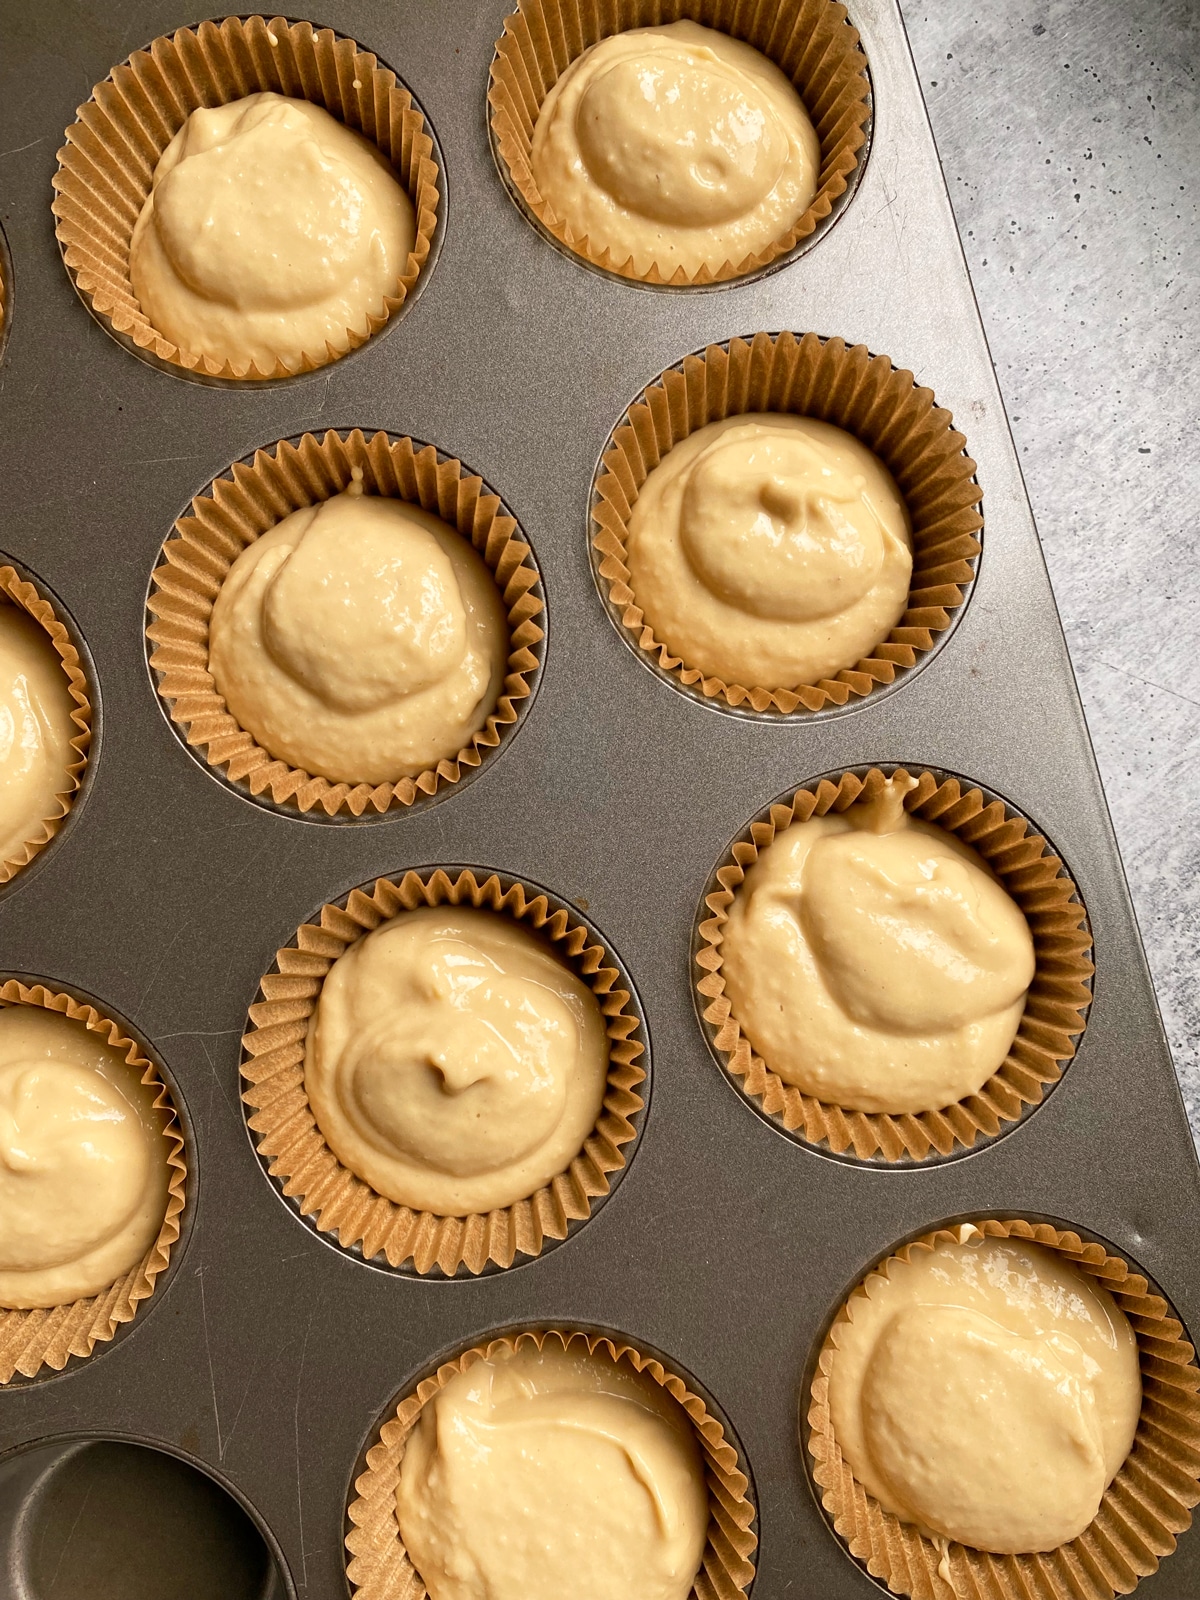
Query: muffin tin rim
x,y
168,1447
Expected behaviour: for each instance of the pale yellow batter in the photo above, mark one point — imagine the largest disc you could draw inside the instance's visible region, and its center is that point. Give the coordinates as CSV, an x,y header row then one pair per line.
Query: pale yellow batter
x,y
874,961
770,550
271,234
83,1162
360,639
35,729
987,1391
542,1475
675,147
454,1062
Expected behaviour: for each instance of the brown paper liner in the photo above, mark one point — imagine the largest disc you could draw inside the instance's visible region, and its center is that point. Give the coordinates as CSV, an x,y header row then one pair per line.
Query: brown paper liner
x,y
810,40
868,397
108,161
289,1141
380,1568
241,506
22,593
31,1340
1055,1009
1145,1508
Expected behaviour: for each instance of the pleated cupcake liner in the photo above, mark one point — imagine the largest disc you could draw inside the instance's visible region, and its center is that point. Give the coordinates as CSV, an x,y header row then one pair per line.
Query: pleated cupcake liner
x,y
380,1568
106,166
291,1145
244,504
1055,1008
806,376
811,41
1143,1512
25,594
31,1341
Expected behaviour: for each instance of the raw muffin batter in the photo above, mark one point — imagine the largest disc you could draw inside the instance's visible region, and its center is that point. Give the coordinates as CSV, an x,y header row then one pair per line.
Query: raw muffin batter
x,y
35,729
875,962
987,1391
454,1062
553,1474
361,639
270,234
675,147
83,1162
770,550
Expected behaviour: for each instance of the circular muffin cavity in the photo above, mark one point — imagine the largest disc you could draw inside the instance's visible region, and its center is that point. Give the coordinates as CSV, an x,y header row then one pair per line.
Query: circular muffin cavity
x,y
1002,1392
45,721
269,200
785,526
83,1513
686,149
604,1471
92,1176
346,626
892,967
445,1071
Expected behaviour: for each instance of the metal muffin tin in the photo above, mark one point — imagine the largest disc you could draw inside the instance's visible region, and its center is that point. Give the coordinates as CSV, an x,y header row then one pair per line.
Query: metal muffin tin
x,y
269,1357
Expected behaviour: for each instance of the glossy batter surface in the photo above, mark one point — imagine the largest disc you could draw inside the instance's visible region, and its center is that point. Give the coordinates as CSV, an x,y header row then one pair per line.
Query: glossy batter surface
x,y
987,1391
83,1163
454,1062
553,1475
675,147
35,729
770,550
874,960
360,639
271,232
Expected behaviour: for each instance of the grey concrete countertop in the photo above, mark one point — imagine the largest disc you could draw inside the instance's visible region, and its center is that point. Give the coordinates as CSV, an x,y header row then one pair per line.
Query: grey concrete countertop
x,y
1067,131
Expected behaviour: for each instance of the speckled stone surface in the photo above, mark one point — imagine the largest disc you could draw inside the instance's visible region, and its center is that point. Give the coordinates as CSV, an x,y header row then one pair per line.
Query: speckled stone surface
x,y
1068,133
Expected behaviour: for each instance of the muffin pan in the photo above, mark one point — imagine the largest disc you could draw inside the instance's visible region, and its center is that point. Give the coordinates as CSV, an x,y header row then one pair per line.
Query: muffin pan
x,y
270,1357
